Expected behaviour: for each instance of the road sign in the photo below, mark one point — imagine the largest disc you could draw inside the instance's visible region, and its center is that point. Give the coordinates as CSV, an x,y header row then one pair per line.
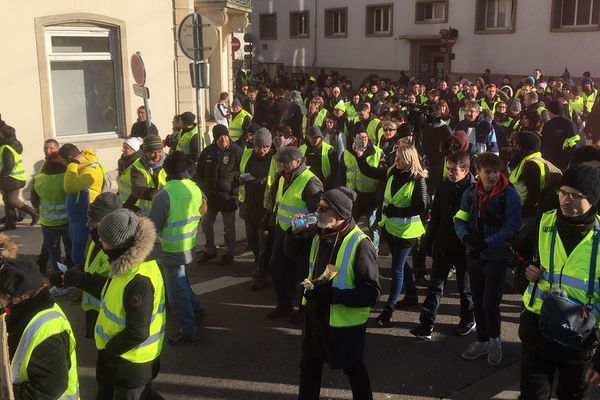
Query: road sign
x,y
141,91
137,69
197,40
199,74
451,42
235,44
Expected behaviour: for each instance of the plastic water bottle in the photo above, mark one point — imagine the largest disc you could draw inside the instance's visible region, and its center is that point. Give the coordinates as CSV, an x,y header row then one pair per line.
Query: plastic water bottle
x,y
307,221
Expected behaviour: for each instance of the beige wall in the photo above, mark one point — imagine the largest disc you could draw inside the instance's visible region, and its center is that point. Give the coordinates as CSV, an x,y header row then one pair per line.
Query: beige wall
x,y
147,28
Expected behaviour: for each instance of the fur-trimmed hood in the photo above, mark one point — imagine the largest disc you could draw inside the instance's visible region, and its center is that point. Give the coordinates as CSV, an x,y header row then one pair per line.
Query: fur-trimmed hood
x,y
141,248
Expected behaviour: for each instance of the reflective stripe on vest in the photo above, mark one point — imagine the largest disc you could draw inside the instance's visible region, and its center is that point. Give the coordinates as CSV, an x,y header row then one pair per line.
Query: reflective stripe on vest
x,y
44,324
571,273
325,165
144,205
290,202
339,315
18,171
185,200
235,126
183,144
355,179
405,228
515,175
571,141
100,266
112,316
51,191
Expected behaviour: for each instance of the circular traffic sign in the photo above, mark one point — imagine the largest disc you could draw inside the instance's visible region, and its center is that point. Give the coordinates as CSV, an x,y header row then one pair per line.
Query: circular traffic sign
x,y
137,69
235,44
203,34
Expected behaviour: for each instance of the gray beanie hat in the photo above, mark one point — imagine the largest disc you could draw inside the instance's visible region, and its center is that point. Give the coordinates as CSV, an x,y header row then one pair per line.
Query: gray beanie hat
x,y
263,137
515,105
341,200
118,228
104,204
314,132
289,154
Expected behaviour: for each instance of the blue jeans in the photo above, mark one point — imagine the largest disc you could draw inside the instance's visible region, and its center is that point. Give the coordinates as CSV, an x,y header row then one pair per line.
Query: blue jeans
x,y
53,235
77,208
401,271
182,299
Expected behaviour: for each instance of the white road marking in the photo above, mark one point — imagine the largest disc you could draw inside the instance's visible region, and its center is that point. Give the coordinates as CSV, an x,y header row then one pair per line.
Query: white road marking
x,y
217,284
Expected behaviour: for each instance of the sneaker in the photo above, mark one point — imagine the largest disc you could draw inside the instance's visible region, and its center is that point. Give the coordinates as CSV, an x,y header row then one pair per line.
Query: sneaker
x,y
184,338
422,331
200,314
58,292
226,259
495,351
409,300
279,312
475,350
384,319
464,328
204,257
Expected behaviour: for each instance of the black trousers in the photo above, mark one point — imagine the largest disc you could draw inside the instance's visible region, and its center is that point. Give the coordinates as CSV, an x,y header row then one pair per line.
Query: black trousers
x,y
311,369
440,268
540,360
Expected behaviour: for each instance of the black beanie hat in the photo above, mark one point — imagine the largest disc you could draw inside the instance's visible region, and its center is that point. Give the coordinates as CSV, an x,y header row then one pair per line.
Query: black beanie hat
x,y
175,163
555,107
528,141
341,200
68,150
188,118
19,276
104,204
219,130
586,179
404,130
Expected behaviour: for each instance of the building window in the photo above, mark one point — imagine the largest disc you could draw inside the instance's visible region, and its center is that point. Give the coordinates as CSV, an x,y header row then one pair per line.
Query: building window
x,y
299,24
85,81
268,26
496,16
575,14
431,11
379,20
336,22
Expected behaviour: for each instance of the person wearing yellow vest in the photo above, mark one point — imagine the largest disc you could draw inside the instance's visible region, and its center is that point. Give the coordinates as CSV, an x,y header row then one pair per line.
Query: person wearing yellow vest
x,y
41,342
84,180
351,175
370,123
146,175
589,95
560,137
562,252
528,172
130,153
489,215
532,102
297,192
404,200
320,157
491,99
12,179
337,309
240,121
176,214
256,177
188,139
130,329
315,115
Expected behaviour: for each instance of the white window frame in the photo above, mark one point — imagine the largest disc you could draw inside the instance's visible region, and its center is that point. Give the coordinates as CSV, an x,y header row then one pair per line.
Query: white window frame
x,y
433,5
496,5
575,25
381,19
112,55
341,15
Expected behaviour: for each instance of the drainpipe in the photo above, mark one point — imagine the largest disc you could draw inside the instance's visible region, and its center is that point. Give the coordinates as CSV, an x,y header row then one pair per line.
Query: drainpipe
x,y
314,63
175,74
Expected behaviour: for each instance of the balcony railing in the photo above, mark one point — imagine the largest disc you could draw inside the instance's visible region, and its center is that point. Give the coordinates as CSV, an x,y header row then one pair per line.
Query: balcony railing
x,y
242,3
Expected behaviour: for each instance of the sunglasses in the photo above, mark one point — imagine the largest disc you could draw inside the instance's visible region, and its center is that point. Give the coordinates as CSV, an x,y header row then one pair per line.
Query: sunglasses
x,y
572,196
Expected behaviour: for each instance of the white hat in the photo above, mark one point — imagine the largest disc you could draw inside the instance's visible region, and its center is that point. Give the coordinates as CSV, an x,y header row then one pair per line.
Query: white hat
x,y
134,142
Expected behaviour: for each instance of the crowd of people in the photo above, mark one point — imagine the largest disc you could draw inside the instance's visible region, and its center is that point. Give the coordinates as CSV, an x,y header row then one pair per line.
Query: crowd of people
x,y
483,177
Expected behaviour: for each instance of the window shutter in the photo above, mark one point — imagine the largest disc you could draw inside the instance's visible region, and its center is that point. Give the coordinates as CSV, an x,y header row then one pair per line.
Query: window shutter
x,y
556,13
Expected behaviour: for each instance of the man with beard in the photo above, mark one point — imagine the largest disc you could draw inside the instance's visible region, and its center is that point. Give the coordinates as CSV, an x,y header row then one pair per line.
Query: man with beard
x,y
147,175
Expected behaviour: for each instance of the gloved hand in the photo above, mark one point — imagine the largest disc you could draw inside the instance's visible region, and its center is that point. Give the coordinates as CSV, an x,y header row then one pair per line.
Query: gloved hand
x,y
320,294
56,279
73,277
391,211
475,244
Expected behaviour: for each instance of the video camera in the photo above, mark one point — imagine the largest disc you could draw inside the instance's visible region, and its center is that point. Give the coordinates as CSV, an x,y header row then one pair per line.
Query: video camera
x,y
420,116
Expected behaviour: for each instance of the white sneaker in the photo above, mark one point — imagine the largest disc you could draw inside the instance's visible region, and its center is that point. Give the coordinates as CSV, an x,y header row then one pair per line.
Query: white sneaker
x,y
58,292
475,350
495,351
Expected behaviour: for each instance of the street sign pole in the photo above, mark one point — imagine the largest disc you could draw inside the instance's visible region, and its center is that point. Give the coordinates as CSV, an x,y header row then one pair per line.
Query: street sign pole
x,y
197,32
139,75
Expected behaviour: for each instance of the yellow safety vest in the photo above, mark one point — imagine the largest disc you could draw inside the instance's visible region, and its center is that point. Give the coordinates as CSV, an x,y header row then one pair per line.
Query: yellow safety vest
x,y
318,121
185,200
355,179
484,105
269,182
325,165
589,100
124,182
18,171
50,189
112,317
571,273
341,316
46,323
405,228
515,175
372,130
144,205
100,266
236,130
290,202
183,143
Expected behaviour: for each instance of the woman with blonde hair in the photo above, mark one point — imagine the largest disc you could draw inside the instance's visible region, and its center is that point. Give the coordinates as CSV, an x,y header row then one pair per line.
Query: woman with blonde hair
x,y
405,199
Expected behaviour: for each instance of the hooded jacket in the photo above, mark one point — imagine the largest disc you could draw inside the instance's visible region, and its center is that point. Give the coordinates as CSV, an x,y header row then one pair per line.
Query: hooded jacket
x,y
51,167
8,160
85,175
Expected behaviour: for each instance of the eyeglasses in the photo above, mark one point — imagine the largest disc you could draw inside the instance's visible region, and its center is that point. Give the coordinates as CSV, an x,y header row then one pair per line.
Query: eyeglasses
x,y
389,129
572,196
323,209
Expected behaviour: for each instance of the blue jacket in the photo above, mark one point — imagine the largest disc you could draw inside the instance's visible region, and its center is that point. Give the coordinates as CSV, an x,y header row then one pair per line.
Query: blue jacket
x,y
497,222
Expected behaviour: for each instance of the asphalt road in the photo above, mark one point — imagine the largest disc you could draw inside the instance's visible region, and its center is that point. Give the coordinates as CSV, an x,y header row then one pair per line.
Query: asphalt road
x,y
244,355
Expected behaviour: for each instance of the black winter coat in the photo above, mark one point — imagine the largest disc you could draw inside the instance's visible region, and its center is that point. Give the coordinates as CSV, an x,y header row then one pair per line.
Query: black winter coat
x,y
214,176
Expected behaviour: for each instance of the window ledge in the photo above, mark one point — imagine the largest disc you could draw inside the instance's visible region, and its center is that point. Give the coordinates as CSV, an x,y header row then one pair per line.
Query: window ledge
x,y
299,36
379,34
576,29
432,21
495,31
340,36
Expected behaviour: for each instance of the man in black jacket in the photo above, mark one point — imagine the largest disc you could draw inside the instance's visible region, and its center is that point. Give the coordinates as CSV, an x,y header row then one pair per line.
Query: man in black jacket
x,y
559,137
440,242
140,127
216,166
